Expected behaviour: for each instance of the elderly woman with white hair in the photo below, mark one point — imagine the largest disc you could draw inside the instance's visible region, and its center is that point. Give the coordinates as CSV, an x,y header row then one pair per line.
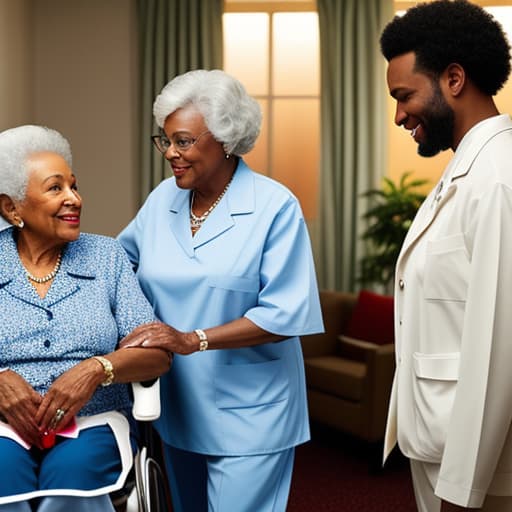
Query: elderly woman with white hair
x,y
66,300
224,256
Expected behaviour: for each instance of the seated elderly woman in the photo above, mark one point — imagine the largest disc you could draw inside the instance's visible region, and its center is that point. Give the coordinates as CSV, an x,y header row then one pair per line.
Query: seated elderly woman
x,y
66,300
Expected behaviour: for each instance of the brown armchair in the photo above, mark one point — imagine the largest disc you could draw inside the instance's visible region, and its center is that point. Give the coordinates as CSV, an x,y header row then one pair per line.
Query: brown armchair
x,y
348,380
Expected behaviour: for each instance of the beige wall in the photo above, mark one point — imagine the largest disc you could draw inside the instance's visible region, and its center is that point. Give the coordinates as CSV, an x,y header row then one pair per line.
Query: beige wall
x,y
15,63
72,65
85,83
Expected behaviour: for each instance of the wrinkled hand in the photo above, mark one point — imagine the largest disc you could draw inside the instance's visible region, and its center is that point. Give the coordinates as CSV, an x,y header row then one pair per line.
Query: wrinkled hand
x,y
19,404
160,335
70,392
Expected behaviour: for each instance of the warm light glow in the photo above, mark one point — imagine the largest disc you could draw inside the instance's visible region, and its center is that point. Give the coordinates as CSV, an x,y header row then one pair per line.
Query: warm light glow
x,y
296,67
295,153
257,158
288,146
246,49
504,16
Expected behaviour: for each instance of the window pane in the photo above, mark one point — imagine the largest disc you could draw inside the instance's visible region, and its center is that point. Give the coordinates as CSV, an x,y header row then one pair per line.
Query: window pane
x,y
504,15
295,54
246,49
257,159
295,149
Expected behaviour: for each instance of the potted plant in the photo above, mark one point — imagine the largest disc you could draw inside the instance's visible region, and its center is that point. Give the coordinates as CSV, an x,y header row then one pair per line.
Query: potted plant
x,y
392,209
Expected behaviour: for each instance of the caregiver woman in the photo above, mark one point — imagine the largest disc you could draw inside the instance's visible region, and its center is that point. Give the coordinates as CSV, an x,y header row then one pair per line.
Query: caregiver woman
x,y
224,256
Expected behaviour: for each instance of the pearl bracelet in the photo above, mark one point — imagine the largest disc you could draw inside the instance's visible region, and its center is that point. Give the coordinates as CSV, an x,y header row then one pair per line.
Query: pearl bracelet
x,y
203,339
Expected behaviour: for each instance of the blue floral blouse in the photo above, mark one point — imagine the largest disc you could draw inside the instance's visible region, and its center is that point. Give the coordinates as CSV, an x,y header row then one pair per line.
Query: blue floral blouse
x,y
93,302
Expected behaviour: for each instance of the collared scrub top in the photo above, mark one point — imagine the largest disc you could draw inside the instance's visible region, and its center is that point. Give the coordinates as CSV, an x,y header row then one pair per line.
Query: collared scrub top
x,y
252,258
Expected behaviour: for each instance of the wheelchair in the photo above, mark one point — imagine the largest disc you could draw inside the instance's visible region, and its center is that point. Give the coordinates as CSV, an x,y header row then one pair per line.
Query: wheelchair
x,y
146,488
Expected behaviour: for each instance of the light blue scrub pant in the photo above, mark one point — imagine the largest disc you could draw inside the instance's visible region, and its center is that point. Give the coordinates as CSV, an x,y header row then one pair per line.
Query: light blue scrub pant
x,y
201,483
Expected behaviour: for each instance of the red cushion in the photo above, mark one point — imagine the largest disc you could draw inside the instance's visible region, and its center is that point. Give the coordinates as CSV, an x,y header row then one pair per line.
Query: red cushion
x,y
372,318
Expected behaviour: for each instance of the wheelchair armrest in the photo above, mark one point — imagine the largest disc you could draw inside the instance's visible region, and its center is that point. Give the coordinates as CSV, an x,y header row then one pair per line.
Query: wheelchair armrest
x,y
146,401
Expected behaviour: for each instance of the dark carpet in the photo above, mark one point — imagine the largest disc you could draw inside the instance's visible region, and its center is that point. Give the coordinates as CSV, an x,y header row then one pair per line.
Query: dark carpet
x,y
337,473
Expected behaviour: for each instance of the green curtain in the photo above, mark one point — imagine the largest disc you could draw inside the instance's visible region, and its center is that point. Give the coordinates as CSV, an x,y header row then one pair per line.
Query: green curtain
x,y
175,36
353,127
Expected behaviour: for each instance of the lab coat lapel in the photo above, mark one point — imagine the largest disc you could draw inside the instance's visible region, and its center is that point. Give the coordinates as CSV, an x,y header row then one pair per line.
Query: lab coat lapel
x,y
462,161
426,215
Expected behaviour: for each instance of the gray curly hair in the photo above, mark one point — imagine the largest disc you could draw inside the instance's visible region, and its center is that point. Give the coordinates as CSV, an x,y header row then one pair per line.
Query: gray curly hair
x,y
231,115
17,145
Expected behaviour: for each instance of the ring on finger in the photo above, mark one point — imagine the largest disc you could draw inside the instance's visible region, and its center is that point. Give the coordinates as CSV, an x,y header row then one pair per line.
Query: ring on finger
x,y
59,414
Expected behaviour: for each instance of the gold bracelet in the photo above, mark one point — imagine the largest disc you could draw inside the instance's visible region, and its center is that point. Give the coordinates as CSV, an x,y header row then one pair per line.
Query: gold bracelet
x,y
107,368
203,339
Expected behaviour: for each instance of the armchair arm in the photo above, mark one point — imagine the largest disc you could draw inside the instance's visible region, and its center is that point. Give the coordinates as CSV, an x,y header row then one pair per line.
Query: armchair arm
x,y
336,310
146,400
380,369
363,351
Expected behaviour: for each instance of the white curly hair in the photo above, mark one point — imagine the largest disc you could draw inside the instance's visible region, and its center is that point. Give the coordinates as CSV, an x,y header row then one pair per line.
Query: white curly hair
x,y
231,115
16,147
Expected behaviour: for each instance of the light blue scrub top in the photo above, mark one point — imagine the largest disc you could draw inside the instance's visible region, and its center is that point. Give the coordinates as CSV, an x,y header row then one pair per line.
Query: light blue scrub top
x,y
252,257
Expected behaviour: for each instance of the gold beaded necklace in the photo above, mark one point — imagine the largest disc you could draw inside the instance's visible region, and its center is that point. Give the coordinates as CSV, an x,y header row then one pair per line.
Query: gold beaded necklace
x,y
197,221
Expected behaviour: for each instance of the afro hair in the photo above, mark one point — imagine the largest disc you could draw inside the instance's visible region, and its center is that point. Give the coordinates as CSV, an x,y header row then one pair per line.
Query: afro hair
x,y
443,32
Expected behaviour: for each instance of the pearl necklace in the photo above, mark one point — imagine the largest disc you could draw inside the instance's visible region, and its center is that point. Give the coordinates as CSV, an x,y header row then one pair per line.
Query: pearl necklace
x,y
47,277
197,221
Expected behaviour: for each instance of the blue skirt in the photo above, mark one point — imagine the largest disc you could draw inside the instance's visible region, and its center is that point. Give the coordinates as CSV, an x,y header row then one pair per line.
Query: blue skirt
x,y
73,467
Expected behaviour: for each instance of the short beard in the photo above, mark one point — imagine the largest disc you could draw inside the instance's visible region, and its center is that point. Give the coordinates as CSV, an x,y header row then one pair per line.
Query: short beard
x,y
438,125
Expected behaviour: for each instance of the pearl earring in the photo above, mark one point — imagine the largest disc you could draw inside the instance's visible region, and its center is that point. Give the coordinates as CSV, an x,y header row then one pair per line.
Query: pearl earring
x,y
21,224
228,156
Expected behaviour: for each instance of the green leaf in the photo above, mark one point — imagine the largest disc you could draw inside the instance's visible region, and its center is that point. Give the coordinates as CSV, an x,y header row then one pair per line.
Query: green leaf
x,y
389,215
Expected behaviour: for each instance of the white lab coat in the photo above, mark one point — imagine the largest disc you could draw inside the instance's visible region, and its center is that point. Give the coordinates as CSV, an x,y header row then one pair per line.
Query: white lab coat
x,y
451,402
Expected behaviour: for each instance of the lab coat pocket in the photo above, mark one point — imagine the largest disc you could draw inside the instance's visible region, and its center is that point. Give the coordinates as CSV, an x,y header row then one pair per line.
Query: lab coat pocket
x,y
250,384
434,386
446,269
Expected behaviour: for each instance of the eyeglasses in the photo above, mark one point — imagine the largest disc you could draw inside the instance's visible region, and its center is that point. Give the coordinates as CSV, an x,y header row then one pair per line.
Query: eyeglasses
x,y
180,142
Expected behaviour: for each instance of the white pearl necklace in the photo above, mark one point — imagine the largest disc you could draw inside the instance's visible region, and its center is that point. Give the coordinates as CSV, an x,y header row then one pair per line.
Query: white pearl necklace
x,y
197,221
47,277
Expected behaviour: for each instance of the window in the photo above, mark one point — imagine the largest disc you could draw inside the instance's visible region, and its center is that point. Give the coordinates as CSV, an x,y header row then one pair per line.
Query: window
x,y
275,54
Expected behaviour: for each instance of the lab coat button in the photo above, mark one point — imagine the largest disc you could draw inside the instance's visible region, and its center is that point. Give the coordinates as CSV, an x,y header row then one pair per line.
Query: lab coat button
x,y
401,284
